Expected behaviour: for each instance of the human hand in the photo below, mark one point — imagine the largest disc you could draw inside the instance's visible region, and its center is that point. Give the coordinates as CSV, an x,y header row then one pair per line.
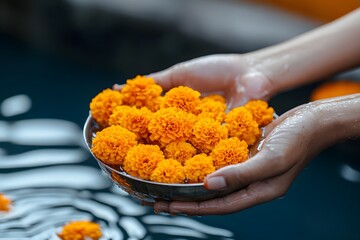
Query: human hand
x,y
232,75
291,141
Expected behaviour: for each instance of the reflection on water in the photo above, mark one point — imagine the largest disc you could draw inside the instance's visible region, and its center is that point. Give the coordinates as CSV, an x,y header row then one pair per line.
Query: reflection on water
x,y
15,105
45,197
43,157
348,173
41,132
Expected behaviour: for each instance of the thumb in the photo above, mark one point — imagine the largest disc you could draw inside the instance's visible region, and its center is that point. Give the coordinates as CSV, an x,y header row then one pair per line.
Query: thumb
x,y
263,165
273,159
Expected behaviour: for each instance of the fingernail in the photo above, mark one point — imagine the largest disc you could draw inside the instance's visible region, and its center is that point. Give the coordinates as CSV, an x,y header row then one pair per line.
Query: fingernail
x,y
215,183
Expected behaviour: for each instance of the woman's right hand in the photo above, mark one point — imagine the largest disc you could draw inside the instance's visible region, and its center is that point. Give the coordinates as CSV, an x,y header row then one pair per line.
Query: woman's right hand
x,y
232,75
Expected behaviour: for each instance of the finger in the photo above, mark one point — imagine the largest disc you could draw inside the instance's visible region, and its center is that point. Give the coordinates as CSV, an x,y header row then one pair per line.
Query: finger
x,y
205,74
254,194
161,207
164,78
146,203
269,162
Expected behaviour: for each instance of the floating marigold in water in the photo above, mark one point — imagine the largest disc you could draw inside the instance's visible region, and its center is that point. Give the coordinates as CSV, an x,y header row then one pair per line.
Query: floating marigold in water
x,y
180,151
335,89
134,119
229,151
168,171
183,98
81,230
5,203
212,109
142,92
103,104
198,167
214,97
261,112
112,144
142,159
206,133
241,124
169,125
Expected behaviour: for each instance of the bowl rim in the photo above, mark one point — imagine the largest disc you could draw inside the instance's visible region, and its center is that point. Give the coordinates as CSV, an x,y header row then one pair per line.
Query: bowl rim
x,y
86,128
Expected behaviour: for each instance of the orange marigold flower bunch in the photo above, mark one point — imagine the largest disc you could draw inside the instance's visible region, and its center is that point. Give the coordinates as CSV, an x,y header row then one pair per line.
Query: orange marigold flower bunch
x,y
142,160
183,98
206,133
168,171
156,137
261,112
229,151
335,89
212,109
241,124
214,97
80,230
141,92
5,203
198,167
103,104
134,119
112,144
170,125
180,151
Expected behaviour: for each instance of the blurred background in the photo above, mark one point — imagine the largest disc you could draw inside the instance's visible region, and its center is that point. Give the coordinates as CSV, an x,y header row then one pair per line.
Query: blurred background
x,y
56,55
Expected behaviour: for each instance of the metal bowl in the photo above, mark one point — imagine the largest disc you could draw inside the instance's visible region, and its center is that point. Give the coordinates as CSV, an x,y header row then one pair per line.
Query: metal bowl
x,y
147,190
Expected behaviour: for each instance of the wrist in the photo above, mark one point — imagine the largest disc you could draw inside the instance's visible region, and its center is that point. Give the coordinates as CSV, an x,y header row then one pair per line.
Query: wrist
x,y
260,76
338,119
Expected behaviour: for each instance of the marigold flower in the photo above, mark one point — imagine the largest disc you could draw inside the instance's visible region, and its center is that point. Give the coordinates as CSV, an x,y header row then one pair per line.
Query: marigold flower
x,y
103,104
142,159
229,151
112,144
183,98
156,104
261,112
168,171
240,123
335,89
81,230
180,151
141,92
169,125
117,114
134,119
198,167
214,97
212,109
206,133
5,203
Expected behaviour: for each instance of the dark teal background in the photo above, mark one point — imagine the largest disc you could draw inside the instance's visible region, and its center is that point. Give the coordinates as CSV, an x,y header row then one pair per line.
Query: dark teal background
x,y
319,205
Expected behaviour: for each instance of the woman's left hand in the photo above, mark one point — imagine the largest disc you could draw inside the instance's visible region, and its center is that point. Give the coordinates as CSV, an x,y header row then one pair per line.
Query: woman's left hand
x,y
291,141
